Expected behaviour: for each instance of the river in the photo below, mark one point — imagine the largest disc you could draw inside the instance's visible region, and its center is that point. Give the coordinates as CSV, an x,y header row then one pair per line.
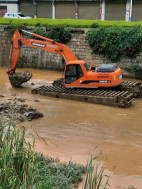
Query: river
x,y
71,130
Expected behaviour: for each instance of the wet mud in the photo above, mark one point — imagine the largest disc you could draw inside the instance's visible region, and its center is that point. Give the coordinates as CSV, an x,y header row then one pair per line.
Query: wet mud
x,y
15,107
17,110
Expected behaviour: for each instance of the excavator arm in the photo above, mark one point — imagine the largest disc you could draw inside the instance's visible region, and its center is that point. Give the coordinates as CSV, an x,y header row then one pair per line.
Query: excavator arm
x,y
39,42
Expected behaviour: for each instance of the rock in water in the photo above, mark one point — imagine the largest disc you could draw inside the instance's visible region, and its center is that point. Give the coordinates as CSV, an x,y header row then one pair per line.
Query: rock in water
x,y
18,78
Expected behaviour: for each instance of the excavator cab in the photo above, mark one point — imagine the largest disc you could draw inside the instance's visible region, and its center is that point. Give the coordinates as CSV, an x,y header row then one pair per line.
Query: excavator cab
x,y
77,74
72,73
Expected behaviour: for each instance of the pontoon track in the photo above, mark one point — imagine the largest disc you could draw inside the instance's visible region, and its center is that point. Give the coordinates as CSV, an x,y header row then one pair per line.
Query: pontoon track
x,y
106,97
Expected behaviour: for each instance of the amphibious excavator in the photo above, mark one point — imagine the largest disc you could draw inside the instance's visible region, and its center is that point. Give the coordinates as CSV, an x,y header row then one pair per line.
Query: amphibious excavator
x,y
102,84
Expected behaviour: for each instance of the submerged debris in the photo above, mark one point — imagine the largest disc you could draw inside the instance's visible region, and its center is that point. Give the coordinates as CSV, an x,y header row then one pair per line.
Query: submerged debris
x,y
18,78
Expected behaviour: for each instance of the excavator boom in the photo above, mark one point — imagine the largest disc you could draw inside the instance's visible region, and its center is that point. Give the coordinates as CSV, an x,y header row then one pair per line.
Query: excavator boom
x,y
40,42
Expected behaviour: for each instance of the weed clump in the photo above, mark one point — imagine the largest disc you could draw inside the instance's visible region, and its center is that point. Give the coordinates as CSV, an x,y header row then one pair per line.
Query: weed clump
x,y
21,167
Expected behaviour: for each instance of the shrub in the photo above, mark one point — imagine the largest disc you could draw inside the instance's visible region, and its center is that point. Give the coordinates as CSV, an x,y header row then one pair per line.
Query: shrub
x,y
76,23
59,34
113,42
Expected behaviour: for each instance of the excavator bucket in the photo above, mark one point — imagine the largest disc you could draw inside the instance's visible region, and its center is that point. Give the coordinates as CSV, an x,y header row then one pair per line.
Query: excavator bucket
x,y
18,78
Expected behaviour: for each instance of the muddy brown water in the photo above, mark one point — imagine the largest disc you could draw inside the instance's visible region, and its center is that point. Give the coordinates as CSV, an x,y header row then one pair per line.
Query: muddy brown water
x,y
71,130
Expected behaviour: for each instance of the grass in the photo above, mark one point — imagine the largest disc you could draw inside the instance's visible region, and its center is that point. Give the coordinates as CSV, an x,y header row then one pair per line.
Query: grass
x,y
21,168
95,177
51,173
16,158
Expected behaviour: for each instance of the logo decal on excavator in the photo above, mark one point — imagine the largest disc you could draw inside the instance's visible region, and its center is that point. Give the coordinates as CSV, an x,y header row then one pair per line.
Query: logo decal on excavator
x,y
38,44
52,46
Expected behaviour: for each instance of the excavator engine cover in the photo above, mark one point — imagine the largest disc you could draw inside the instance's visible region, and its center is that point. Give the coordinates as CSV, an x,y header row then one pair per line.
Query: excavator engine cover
x,y
107,67
18,78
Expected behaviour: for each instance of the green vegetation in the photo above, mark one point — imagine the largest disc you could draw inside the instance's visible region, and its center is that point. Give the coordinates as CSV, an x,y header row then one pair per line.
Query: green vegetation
x,y
59,34
51,173
75,23
113,42
16,158
95,177
21,168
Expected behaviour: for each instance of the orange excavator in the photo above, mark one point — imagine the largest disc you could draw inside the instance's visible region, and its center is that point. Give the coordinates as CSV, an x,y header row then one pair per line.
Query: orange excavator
x,y
102,84
76,72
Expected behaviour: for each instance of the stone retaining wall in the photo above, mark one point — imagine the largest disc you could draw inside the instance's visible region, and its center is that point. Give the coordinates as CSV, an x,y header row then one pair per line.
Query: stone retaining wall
x,y
35,58
5,39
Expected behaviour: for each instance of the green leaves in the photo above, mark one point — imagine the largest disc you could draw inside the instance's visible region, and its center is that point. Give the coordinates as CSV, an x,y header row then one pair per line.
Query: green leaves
x,y
59,34
95,176
21,168
113,42
16,158
53,173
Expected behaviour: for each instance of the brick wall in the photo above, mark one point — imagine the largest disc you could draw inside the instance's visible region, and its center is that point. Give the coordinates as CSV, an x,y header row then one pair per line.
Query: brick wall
x,y
35,58
5,39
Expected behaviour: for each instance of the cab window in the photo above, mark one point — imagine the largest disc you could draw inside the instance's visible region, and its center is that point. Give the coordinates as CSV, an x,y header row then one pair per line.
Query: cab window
x,y
86,67
73,72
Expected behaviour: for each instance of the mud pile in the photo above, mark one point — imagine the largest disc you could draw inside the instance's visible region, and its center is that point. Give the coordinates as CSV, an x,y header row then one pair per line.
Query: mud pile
x,y
18,111
18,78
